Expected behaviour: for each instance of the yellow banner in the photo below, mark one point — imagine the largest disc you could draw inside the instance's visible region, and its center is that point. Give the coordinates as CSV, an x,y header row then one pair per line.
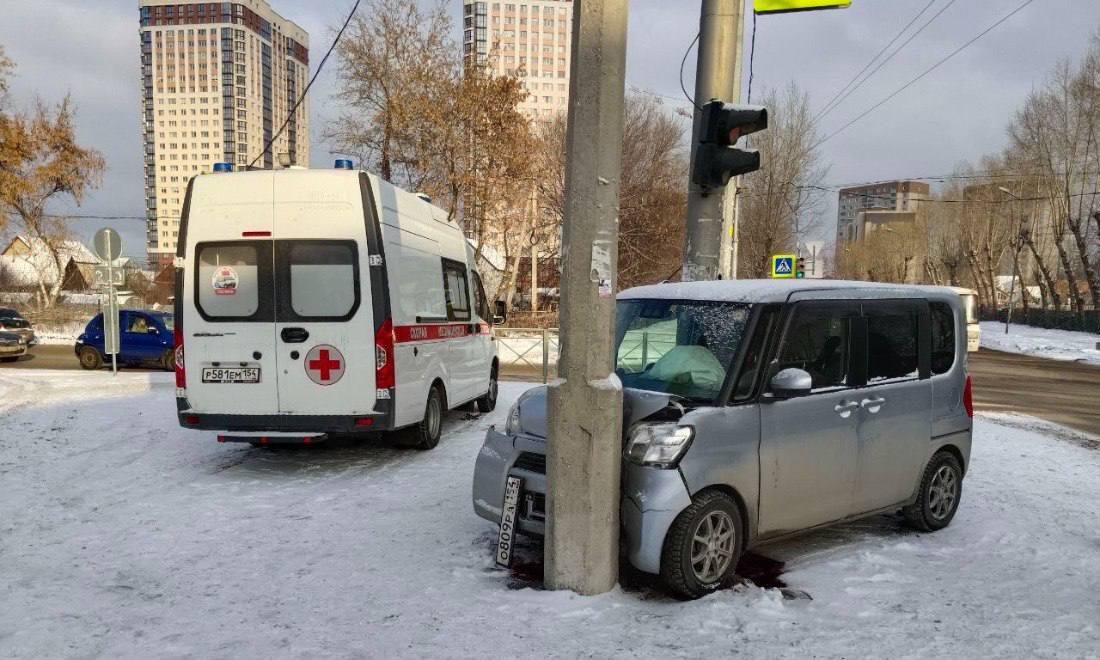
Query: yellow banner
x,y
780,6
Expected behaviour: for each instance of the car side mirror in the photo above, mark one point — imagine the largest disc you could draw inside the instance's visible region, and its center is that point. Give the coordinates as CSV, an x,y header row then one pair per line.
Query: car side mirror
x,y
791,383
152,330
500,312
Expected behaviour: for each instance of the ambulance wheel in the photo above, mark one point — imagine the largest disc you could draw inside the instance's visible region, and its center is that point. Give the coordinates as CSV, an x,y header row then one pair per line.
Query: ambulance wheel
x,y
90,358
488,402
425,434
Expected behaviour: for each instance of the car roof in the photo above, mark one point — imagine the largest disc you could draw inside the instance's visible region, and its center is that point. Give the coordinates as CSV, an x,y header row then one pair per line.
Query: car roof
x,y
781,290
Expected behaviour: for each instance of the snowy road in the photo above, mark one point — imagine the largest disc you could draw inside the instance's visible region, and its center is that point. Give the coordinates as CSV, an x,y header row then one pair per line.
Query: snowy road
x,y
123,536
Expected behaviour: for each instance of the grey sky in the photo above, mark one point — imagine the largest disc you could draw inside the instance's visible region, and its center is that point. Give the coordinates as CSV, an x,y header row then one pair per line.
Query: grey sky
x,y
89,48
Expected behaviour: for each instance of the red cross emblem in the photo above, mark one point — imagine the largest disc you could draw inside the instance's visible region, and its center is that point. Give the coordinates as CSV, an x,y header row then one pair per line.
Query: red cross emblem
x,y
324,364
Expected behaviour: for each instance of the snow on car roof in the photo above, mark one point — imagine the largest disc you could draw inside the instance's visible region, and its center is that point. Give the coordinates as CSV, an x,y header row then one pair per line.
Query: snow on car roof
x,y
770,290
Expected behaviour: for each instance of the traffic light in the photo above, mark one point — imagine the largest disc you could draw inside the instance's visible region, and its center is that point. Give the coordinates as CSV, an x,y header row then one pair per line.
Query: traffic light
x,y
716,158
800,268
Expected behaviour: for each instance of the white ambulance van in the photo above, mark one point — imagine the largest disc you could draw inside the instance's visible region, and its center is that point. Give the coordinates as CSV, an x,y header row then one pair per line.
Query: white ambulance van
x,y
311,302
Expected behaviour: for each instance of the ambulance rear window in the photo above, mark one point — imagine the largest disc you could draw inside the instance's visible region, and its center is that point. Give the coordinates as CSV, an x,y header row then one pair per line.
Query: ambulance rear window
x,y
230,278
322,278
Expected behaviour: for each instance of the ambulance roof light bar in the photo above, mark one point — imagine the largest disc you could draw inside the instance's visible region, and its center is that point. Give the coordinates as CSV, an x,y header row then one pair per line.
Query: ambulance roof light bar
x,y
344,164
223,167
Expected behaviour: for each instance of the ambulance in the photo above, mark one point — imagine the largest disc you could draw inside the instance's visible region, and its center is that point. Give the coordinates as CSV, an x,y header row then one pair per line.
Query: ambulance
x,y
312,302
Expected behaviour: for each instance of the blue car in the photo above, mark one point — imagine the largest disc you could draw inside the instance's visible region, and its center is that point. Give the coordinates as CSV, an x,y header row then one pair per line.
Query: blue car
x,y
146,338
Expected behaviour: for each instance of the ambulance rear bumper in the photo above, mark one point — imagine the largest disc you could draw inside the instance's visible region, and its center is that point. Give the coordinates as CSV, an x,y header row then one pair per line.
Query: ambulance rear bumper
x,y
190,419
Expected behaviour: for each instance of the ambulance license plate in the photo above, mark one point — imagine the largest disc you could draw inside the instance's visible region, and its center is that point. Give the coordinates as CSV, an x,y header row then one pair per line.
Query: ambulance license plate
x,y
507,536
231,375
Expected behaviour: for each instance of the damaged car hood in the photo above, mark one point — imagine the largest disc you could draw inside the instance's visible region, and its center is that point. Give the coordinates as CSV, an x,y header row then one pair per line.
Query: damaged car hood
x,y
637,405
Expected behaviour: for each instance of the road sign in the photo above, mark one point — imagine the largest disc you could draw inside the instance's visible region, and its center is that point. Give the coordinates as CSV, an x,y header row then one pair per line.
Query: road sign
x,y
107,244
783,266
110,325
104,276
782,6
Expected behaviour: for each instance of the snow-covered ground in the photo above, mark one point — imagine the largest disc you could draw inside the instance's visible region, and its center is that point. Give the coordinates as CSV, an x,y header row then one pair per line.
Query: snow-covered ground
x,y
1041,342
123,536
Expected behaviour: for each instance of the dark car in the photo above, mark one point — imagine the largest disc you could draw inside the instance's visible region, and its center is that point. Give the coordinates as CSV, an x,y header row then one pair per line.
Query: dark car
x,y
145,338
17,325
12,346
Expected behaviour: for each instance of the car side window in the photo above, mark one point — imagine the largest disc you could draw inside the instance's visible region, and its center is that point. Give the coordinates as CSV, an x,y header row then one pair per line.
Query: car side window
x,y
818,341
893,340
137,323
457,290
943,337
481,305
755,355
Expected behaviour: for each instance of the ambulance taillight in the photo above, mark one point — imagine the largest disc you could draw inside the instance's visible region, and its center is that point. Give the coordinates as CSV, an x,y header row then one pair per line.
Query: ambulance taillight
x,y
383,356
181,375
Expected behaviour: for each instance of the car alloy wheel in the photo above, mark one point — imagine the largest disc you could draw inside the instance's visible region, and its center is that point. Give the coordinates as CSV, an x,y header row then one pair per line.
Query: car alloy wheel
x,y
712,547
943,492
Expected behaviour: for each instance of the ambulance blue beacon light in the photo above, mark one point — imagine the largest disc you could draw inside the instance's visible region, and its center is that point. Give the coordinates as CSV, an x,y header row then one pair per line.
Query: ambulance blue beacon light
x,y
223,167
343,164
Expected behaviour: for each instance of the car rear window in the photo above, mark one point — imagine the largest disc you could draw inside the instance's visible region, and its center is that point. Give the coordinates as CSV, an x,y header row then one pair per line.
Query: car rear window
x,y
322,278
892,343
231,278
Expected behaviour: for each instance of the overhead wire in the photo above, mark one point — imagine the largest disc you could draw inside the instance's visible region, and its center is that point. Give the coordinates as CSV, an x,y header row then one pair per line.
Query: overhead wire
x,y
927,71
829,107
302,96
682,63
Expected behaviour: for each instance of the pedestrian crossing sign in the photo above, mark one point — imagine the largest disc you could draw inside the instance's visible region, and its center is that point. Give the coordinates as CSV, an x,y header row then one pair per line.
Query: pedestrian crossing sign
x,y
783,266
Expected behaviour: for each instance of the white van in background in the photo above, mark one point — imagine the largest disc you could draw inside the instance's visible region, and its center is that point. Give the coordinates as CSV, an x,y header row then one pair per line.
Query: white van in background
x,y
319,301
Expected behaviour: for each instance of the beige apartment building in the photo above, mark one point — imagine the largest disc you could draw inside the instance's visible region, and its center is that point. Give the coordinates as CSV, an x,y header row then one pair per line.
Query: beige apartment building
x,y
863,208
531,39
218,79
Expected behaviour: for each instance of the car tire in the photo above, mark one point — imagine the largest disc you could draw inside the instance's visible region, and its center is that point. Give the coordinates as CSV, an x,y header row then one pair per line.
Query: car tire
x,y
168,360
425,434
691,568
488,402
939,496
90,358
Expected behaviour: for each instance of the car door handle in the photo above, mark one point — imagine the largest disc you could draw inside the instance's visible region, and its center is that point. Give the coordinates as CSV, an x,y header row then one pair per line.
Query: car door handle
x,y
873,405
845,408
294,335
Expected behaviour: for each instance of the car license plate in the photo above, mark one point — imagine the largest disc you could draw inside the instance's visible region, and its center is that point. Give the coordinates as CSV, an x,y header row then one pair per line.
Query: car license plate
x,y
507,536
231,375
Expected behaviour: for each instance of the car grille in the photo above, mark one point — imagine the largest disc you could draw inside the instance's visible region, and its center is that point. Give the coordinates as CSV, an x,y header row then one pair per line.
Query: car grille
x,y
531,462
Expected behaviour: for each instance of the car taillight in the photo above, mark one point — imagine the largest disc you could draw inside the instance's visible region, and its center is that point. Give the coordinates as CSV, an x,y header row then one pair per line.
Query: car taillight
x,y
383,356
968,397
181,375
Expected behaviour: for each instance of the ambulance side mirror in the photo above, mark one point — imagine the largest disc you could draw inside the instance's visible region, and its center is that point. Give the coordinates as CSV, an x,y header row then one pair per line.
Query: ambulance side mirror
x,y
500,312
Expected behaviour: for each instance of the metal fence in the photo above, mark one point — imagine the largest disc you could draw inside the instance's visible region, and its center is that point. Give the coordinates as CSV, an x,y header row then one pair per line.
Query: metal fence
x,y
528,352
1084,321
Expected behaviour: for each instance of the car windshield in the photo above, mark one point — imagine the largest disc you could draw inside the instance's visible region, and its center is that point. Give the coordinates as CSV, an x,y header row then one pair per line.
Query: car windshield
x,y
678,347
11,322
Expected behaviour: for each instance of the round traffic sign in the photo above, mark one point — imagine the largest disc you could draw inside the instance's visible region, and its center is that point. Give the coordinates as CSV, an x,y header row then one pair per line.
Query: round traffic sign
x,y
324,364
107,244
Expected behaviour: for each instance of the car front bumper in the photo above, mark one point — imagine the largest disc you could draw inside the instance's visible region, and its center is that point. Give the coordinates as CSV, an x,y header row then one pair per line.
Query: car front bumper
x,y
651,497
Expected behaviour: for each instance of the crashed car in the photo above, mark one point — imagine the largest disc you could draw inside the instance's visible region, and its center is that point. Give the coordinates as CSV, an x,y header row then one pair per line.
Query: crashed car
x,y
757,409
18,325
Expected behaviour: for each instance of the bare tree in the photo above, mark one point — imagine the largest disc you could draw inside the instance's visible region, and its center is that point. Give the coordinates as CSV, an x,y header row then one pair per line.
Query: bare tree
x,y
40,162
778,200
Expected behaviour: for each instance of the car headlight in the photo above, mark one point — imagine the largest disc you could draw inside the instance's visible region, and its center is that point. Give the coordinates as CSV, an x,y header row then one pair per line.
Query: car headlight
x,y
512,426
658,445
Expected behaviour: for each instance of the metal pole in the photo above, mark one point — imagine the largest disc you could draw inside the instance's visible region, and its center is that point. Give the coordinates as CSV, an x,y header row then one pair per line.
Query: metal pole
x,y
584,446
731,198
545,356
1012,283
112,306
715,77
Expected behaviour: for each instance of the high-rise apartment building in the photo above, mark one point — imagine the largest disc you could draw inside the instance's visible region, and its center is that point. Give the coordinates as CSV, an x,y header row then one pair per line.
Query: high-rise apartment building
x,y
530,39
218,80
854,205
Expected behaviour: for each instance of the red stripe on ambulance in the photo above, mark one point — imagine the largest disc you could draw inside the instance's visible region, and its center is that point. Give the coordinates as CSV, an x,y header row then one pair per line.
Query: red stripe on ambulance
x,y
430,332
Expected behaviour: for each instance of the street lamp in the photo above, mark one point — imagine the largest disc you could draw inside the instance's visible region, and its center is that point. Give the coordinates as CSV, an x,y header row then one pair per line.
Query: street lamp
x,y
1015,261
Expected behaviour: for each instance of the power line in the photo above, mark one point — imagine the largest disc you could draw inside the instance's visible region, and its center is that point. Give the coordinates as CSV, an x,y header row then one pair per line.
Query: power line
x,y
923,74
752,56
302,96
682,63
829,107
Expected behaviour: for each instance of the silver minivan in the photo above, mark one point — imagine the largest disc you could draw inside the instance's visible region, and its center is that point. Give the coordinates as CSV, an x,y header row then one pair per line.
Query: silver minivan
x,y
754,410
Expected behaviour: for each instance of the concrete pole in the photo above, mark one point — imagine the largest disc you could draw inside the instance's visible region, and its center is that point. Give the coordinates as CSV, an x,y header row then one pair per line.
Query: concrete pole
x,y
585,433
731,199
715,77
